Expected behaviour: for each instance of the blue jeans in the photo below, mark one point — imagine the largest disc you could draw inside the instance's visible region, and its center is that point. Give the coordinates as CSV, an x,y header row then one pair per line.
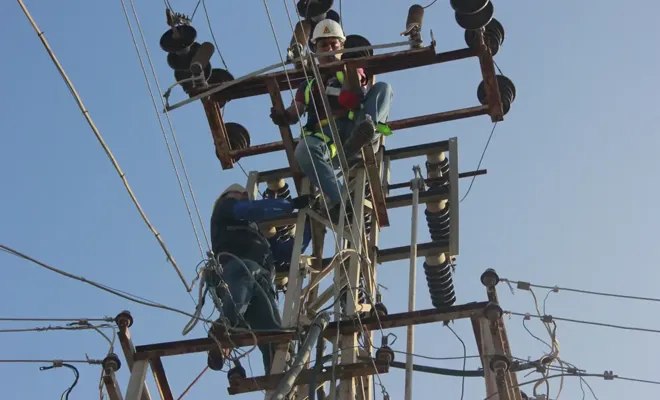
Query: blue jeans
x,y
250,304
313,155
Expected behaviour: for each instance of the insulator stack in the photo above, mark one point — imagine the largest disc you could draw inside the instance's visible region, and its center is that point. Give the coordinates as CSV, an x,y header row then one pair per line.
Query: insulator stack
x,y
493,36
507,92
279,189
438,268
362,297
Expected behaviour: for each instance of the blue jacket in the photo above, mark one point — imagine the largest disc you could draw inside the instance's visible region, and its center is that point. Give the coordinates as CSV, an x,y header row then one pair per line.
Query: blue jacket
x,y
234,229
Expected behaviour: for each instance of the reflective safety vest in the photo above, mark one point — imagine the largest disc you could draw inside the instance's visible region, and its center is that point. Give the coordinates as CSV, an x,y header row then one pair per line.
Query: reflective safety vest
x,y
332,91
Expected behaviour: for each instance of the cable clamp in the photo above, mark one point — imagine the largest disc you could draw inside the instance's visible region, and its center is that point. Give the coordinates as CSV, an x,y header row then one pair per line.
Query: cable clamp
x,y
523,285
547,319
609,375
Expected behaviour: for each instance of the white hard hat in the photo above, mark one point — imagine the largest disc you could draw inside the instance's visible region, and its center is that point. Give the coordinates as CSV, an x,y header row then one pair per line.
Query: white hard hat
x,y
234,187
328,29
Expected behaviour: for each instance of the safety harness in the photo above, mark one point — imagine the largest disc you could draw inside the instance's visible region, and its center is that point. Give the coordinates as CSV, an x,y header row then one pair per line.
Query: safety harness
x,y
318,128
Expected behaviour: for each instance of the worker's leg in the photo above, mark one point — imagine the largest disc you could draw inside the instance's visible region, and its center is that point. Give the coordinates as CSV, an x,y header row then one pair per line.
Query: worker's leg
x,y
375,109
246,302
313,158
264,315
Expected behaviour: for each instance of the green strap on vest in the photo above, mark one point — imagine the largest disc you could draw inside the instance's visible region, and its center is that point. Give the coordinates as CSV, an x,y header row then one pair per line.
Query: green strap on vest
x,y
380,128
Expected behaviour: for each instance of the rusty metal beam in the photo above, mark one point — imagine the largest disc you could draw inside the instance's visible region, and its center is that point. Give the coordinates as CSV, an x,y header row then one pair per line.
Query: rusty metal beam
x,y
470,310
400,124
376,65
469,174
111,385
397,201
285,132
127,347
161,379
341,371
490,81
219,133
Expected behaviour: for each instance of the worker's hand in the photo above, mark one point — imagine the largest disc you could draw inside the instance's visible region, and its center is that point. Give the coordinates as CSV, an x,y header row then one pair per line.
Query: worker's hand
x,y
282,119
302,201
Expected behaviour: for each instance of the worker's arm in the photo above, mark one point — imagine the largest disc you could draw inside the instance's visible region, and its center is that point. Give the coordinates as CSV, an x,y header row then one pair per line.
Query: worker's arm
x,y
292,113
258,210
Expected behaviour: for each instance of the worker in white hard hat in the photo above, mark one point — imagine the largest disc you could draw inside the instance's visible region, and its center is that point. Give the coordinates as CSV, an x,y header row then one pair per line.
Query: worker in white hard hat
x,y
244,283
361,117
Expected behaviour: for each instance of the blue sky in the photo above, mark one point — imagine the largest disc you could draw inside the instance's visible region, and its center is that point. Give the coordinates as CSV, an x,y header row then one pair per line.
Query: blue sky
x,y
568,199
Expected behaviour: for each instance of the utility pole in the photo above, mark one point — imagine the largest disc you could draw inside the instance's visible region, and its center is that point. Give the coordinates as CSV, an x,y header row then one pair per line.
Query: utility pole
x,y
367,186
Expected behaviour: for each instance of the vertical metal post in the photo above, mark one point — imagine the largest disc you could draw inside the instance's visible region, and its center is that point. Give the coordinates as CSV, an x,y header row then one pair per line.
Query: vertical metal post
x,y
136,382
410,338
349,342
292,298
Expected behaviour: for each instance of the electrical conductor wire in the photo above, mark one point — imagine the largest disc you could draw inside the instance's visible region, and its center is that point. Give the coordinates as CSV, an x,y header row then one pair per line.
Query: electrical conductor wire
x,y
100,139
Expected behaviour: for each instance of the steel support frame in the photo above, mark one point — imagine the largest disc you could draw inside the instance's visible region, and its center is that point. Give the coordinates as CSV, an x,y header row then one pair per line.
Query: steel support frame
x,y
128,348
275,82
492,339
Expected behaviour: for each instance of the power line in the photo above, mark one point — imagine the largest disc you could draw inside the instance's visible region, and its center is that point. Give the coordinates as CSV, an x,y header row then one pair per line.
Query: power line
x,y
55,328
88,361
522,285
116,292
578,321
162,128
106,319
483,154
100,139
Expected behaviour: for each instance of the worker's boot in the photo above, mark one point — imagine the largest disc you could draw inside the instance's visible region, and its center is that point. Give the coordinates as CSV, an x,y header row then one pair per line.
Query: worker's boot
x,y
363,134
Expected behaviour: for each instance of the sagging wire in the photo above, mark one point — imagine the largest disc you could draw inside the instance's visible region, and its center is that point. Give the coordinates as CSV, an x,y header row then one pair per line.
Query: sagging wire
x,y
162,127
464,358
483,154
52,328
116,292
76,374
100,139
104,319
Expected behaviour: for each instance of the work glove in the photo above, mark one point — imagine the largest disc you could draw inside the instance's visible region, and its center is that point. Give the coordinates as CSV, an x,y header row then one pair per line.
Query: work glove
x,y
302,201
281,119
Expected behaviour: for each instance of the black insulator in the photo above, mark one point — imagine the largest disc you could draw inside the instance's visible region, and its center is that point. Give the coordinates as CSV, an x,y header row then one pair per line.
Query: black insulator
x,y
353,41
477,20
239,137
314,8
283,233
362,297
507,92
219,76
333,15
440,282
493,36
181,62
468,6
443,168
178,39
439,223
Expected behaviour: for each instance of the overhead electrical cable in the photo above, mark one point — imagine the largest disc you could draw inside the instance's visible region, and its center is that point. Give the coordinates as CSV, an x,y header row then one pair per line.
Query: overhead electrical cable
x,y
523,286
579,321
112,158
169,123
